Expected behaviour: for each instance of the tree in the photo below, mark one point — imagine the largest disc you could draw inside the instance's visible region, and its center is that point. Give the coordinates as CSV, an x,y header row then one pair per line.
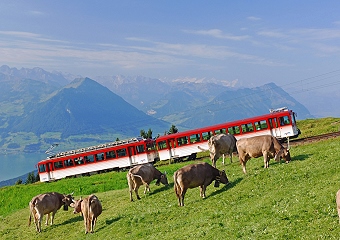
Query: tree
x,y
18,182
30,178
146,135
173,129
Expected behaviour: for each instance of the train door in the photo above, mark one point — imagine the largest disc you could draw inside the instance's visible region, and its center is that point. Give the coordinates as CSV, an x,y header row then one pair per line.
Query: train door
x,y
172,147
274,128
49,167
132,155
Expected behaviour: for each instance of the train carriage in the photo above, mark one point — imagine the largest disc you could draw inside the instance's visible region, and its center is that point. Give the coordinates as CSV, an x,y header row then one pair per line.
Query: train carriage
x,y
115,155
279,123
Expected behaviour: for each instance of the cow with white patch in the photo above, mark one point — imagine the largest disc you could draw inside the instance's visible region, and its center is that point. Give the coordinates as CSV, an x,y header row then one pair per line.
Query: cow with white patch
x,y
144,174
266,146
196,175
221,144
47,203
90,208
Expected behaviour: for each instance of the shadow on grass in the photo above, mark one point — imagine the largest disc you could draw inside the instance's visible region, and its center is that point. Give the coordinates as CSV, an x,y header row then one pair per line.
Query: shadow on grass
x,y
301,157
158,189
69,221
226,187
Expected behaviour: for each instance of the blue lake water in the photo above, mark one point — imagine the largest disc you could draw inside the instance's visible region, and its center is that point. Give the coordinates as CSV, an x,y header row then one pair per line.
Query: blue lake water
x,y
15,165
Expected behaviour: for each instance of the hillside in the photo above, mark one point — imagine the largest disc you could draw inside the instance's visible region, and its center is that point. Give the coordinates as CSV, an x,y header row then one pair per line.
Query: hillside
x,y
286,201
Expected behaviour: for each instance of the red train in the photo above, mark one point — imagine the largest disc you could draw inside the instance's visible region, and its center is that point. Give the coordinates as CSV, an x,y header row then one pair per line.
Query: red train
x,y
123,154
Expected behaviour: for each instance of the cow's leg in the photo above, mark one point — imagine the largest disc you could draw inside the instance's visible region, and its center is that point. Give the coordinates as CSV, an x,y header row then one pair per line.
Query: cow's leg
x,y
243,161
147,188
231,156
39,219
202,191
52,217
265,159
93,224
47,219
136,192
223,158
182,197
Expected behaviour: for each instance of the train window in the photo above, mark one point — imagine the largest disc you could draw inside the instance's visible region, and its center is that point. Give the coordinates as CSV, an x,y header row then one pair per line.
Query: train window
x,y
110,154
219,131
161,145
100,156
247,127
284,120
89,159
234,130
195,138
140,148
261,125
68,163
42,168
58,164
182,140
121,152
206,135
151,145
79,160
272,123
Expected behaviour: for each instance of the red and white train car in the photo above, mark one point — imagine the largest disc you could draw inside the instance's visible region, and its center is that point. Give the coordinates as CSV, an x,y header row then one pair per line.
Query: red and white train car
x,y
280,123
115,155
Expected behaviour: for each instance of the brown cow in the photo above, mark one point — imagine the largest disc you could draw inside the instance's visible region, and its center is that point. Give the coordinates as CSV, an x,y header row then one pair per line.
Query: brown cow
x,y
90,208
144,174
266,146
196,175
221,144
338,203
45,204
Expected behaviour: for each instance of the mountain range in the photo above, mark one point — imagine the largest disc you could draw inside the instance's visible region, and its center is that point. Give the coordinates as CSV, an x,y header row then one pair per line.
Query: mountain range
x,y
38,108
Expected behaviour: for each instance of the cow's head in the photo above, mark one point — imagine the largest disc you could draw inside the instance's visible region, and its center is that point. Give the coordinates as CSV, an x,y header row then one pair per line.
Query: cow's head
x,y
77,206
222,177
67,201
283,153
163,179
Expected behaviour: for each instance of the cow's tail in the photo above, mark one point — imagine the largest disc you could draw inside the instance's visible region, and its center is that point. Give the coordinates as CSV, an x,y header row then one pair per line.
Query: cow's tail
x,y
202,149
135,175
31,207
176,185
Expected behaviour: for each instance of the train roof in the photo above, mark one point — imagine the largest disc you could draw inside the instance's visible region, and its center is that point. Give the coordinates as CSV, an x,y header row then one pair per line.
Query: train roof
x,y
97,147
272,112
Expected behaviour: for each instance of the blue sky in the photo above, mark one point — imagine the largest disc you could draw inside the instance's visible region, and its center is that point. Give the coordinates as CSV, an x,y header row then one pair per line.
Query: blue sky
x,y
295,44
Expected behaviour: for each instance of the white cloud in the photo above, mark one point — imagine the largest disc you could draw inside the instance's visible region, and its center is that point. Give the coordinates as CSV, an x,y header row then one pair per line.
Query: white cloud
x,y
252,18
217,33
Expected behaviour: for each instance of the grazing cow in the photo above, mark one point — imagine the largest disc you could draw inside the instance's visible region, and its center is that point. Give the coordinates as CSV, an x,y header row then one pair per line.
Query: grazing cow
x,y
90,208
196,175
221,144
338,203
266,146
144,174
45,204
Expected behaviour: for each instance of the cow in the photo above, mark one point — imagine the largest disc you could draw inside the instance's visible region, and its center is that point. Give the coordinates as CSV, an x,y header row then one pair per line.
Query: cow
x,y
144,174
338,203
90,208
221,144
266,146
196,175
47,203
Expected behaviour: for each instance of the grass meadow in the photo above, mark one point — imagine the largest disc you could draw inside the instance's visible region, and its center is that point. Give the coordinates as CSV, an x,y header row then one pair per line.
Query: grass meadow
x,y
286,201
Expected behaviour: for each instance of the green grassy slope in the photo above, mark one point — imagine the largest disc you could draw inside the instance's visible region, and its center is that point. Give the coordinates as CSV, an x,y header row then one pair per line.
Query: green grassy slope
x,y
286,201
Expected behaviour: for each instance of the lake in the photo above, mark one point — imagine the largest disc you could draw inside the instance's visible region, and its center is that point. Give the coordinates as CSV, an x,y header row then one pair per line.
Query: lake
x,y
15,165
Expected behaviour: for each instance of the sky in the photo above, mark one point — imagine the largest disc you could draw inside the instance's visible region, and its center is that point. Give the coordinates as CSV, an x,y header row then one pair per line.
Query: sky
x,y
295,44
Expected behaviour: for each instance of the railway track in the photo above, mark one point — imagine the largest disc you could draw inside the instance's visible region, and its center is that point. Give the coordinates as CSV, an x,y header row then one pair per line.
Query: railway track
x,y
316,138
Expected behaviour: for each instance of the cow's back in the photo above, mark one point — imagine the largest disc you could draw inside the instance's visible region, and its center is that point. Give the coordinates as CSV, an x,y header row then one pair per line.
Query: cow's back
x,y
145,172
95,205
194,175
254,146
47,202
